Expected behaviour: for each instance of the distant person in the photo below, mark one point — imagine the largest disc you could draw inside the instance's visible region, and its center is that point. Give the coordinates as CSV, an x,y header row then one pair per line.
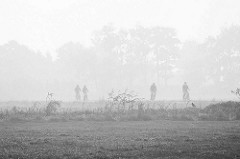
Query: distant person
x,y
193,105
153,90
85,91
77,93
185,90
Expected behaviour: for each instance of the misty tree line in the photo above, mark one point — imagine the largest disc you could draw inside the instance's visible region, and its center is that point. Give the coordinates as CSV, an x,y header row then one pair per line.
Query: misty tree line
x,y
127,58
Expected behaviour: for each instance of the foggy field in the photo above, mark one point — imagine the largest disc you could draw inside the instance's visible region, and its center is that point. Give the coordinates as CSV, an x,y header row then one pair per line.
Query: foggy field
x,y
152,139
119,79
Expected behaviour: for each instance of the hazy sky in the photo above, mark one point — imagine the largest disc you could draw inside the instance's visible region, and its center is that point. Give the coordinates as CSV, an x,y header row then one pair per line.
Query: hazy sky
x,y
46,24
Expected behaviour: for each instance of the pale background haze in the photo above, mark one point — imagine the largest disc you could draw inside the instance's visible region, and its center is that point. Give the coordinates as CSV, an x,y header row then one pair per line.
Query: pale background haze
x,y
45,26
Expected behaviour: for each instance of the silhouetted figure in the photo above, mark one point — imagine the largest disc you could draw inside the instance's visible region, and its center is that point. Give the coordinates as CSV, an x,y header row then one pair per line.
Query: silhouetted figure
x,y
153,90
77,93
185,92
193,105
85,91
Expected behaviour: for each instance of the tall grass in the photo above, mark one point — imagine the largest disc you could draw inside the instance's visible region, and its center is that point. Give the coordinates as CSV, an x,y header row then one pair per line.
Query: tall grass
x,y
122,107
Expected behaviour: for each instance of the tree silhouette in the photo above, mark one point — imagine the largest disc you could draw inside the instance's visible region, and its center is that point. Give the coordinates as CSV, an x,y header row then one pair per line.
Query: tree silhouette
x,y
23,71
225,55
165,47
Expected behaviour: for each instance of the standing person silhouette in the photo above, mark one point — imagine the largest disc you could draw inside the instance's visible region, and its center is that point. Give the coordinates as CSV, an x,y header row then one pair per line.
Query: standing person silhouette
x,y
185,92
77,93
85,91
153,90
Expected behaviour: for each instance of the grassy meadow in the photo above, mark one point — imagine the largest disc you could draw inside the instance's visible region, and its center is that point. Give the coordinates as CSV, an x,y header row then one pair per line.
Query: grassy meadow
x,y
134,139
118,129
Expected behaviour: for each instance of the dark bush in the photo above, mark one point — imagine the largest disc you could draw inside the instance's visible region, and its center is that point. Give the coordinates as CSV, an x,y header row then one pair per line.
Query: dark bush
x,y
223,111
52,107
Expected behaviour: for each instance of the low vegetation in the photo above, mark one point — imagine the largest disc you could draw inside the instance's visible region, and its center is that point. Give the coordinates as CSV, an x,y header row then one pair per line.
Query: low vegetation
x,y
123,109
